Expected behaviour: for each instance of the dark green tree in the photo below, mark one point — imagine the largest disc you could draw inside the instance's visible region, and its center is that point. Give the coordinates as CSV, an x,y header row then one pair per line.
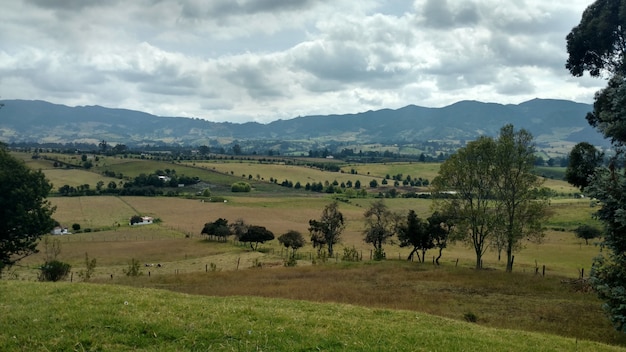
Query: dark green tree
x,y
292,239
218,228
587,232
415,233
440,226
25,214
256,234
583,161
598,46
598,43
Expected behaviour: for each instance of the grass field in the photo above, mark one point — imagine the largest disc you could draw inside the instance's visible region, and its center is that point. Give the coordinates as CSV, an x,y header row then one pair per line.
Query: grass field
x,y
394,290
83,317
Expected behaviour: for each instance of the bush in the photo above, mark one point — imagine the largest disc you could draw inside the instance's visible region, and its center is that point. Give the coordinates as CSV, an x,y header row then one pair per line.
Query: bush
x,y
133,268
291,262
240,187
75,227
54,271
470,317
350,255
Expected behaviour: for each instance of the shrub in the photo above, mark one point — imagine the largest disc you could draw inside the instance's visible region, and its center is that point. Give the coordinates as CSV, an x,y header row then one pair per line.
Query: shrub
x,y
470,317
54,271
133,268
240,187
291,261
75,227
90,267
350,255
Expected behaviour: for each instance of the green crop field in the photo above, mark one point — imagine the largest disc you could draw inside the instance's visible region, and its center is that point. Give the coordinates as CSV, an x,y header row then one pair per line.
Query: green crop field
x,y
388,294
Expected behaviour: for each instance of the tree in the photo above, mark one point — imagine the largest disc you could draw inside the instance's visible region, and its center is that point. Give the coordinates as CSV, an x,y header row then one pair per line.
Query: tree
x,y
440,225
414,232
218,228
255,235
521,206
135,219
380,225
587,232
464,187
327,230
25,214
292,239
609,110
583,161
598,45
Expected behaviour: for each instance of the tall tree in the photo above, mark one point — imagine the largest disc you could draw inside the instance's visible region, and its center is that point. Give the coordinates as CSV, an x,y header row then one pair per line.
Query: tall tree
x,y
380,225
516,190
464,187
583,161
598,45
25,214
327,230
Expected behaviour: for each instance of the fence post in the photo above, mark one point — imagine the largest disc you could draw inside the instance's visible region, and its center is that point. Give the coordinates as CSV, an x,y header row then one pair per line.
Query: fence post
x,y
543,272
457,262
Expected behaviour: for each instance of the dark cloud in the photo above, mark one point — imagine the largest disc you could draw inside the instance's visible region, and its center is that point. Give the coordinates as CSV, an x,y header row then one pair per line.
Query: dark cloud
x,y
70,5
221,9
256,80
438,14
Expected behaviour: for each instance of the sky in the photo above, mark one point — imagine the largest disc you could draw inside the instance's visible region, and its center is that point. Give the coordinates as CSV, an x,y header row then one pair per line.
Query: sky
x,y
264,60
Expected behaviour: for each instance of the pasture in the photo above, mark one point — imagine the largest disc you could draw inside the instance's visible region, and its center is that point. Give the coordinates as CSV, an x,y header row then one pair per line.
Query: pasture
x,y
189,263
62,317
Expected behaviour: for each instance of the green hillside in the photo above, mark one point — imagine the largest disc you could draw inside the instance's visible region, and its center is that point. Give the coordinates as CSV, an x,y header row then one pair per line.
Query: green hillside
x,y
89,317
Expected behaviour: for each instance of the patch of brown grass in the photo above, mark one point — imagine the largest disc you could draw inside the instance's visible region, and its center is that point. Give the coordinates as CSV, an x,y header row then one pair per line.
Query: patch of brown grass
x,y
512,301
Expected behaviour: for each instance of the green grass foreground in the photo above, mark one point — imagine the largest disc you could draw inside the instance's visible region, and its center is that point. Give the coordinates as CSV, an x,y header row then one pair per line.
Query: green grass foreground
x,y
67,317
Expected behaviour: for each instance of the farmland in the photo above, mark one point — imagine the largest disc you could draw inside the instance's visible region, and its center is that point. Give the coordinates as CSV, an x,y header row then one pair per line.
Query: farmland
x,y
190,263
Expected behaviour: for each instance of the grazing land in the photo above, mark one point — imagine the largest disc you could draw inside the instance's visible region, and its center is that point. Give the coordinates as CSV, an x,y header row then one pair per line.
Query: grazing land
x,y
394,295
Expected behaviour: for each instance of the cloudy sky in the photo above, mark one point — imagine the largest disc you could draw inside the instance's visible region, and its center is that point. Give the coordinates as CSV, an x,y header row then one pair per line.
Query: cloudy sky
x,y
263,60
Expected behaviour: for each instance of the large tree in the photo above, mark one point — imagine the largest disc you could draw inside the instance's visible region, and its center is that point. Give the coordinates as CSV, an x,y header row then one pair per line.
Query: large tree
x,y
327,230
516,191
491,191
25,214
598,46
464,187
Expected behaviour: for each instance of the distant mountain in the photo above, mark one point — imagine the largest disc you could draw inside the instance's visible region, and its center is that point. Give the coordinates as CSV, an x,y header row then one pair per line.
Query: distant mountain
x,y
548,121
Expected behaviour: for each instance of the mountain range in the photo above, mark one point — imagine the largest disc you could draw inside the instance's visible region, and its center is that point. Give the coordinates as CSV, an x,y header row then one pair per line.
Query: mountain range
x,y
548,120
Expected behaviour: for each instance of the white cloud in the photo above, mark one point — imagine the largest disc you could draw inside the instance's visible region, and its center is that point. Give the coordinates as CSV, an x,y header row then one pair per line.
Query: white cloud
x,y
268,59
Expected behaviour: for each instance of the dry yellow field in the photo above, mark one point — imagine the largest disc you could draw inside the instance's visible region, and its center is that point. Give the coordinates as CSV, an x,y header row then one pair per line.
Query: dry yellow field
x,y
560,251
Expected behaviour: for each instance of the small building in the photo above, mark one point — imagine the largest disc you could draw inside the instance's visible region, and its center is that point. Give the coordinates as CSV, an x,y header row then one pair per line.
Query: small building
x,y
145,220
59,230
